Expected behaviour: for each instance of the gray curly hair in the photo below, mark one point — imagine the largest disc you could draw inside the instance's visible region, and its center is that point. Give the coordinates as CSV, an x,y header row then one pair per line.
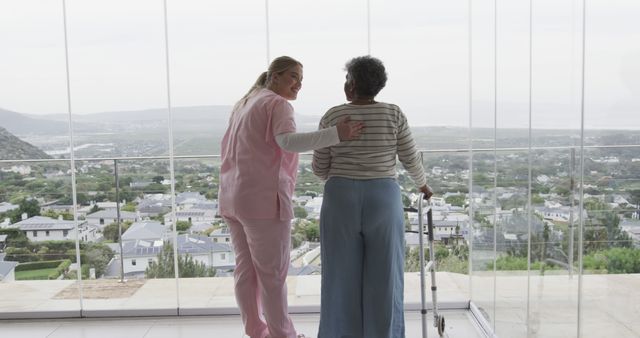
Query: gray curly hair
x,y
368,74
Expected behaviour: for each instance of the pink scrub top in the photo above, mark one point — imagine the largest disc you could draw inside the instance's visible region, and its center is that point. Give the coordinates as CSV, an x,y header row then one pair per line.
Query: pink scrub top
x,y
257,177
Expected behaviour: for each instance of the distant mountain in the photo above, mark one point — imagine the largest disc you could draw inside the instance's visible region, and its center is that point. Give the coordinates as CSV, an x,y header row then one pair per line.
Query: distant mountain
x,y
14,148
209,119
20,124
156,114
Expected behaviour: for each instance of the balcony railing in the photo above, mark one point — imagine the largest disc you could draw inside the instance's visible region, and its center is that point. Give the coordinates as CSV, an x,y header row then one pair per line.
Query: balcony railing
x,y
547,280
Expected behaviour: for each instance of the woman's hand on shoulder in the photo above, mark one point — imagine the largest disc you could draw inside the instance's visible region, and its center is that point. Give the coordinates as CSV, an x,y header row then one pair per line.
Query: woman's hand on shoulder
x,y
349,130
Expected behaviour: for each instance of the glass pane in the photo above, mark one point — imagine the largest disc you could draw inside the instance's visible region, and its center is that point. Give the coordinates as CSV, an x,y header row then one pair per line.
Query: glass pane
x,y
428,66
118,86
38,233
512,175
483,164
118,78
205,253
448,176
555,122
611,254
322,46
33,95
217,52
611,176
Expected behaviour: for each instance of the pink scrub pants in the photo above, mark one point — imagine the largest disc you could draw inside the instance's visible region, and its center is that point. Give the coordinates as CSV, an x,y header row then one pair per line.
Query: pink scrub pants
x,y
262,263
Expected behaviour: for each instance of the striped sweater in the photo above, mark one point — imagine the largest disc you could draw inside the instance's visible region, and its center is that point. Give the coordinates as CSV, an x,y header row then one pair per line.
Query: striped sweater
x,y
373,154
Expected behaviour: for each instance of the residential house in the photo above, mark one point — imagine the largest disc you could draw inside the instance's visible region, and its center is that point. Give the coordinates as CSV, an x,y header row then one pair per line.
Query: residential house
x,y
191,215
139,254
109,205
206,205
204,249
200,227
18,169
443,231
68,208
186,200
560,214
40,228
632,228
5,206
313,207
146,230
105,217
140,184
302,200
153,205
222,235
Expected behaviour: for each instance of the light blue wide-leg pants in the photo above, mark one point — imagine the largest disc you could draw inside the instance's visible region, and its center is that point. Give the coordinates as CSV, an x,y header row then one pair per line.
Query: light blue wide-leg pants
x,y
362,240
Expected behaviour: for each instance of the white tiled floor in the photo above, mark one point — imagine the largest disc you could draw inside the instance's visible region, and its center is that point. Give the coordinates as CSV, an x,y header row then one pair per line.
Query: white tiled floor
x,y
459,324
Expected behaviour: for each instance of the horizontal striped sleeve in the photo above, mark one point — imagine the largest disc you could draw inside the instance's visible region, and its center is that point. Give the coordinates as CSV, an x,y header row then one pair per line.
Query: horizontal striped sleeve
x,y
408,154
321,162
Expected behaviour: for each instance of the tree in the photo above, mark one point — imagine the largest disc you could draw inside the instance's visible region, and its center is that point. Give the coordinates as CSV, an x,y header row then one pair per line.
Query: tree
x,y
158,188
81,198
29,206
300,212
412,259
536,199
15,238
157,179
182,226
457,200
634,196
130,206
211,194
187,266
603,229
125,181
406,201
297,239
310,230
111,231
97,256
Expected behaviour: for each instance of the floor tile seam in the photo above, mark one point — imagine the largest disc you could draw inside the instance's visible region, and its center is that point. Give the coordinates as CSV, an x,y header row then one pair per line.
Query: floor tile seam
x,y
58,326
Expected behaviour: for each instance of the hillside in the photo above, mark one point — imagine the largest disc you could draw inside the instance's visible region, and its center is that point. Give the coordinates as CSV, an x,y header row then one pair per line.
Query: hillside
x,y
21,124
14,148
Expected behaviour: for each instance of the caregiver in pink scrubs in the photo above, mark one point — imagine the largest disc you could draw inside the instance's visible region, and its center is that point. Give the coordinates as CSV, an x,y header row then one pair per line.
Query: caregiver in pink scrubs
x,y
257,180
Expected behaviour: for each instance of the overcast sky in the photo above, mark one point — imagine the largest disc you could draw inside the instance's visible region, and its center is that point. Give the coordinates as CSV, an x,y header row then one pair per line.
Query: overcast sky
x,y
218,48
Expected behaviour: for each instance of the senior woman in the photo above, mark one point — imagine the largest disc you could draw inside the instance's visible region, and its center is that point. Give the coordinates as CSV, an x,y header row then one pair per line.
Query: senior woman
x,y
361,221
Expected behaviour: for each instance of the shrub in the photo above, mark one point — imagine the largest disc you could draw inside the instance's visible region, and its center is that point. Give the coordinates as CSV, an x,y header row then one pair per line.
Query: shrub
x,y
39,265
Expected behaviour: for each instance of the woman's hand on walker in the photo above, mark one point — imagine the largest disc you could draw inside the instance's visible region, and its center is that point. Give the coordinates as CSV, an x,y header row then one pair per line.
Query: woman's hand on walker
x,y
349,130
426,190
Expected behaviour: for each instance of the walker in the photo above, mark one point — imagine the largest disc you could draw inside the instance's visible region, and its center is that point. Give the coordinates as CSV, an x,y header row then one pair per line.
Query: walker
x,y
438,320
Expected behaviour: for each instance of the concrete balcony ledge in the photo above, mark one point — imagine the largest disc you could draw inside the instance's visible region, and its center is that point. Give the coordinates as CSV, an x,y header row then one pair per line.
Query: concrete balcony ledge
x,y
211,295
608,301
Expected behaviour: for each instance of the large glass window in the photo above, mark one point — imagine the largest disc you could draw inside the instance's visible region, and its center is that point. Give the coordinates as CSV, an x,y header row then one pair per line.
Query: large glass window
x,y
35,183
534,159
323,46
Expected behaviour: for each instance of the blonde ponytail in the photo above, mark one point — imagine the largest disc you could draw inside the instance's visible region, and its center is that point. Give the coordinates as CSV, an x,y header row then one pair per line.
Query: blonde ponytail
x,y
278,66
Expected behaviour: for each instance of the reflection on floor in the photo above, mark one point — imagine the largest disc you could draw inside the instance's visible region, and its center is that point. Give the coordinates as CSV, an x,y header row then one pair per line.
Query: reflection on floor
x,y
459,323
